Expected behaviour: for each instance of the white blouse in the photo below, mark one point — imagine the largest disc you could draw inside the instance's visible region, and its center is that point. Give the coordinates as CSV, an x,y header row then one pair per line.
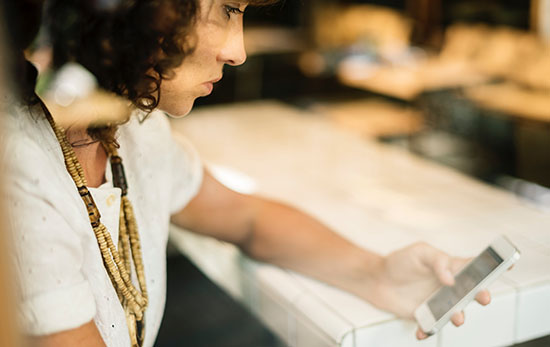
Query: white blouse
x,y
60,274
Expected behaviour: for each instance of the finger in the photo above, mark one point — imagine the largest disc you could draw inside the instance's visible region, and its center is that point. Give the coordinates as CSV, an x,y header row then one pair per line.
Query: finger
x,y
483,297
420,335
442,268
458,319
439,262
458,264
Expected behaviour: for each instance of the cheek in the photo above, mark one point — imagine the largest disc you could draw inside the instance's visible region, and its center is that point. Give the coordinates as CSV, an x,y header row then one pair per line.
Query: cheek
x,y
179,93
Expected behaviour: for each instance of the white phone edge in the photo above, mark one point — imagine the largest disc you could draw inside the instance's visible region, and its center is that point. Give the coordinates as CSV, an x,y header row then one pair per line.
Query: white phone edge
x,y
423,315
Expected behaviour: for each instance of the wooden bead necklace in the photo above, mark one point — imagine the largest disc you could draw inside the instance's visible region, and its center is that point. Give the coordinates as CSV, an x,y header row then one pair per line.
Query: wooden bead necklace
x,y
118,263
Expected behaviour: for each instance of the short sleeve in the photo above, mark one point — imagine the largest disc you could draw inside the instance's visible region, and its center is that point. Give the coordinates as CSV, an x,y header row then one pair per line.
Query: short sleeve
x,y
47,254
187,173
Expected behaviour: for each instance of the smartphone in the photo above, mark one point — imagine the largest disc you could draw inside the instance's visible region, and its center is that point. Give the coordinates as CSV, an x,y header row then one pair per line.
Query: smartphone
x,y
438,309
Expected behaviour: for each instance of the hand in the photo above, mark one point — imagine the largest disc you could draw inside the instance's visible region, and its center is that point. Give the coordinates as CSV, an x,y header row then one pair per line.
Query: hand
x,y
406,277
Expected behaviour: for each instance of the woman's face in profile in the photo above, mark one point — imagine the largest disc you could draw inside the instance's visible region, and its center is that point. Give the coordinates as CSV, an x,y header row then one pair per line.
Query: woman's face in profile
x,y
219,41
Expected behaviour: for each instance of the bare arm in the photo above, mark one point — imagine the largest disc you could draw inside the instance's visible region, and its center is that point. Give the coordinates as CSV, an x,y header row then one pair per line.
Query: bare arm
x,y
86,335
276,233
282,235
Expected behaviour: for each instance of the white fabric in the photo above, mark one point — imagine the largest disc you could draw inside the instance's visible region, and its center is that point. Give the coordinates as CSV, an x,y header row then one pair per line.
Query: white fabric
x,y
61,277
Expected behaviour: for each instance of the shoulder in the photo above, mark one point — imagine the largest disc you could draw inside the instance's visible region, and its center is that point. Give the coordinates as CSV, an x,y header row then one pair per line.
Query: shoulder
x,y
145,137
29,148
151,152
34,169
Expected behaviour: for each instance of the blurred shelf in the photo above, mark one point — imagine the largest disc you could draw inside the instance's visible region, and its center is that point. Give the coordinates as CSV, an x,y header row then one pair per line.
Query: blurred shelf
x,y
372,117
273,40
408,82
513,101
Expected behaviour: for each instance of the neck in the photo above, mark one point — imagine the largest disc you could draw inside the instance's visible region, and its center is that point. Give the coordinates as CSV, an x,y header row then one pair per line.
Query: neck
x,y
78,137
91,155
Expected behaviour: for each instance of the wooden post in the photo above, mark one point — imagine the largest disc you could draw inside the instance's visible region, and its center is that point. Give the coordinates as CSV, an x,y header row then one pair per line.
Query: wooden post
x,y
540,18
427,16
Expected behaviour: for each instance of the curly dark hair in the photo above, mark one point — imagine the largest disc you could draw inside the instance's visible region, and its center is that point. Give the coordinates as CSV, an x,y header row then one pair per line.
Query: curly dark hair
x,y
130,48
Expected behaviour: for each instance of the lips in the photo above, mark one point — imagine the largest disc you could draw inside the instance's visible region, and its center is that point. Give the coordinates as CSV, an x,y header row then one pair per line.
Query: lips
x,y
215,80
208,88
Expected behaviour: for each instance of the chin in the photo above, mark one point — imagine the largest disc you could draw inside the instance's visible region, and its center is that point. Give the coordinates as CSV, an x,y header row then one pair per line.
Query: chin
x,y
178,111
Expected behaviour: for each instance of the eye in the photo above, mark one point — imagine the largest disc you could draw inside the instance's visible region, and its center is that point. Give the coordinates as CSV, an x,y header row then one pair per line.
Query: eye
x,y
229,10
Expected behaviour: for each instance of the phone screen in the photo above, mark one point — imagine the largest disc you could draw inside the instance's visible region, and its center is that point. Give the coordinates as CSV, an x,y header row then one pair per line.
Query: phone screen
x,y
465,281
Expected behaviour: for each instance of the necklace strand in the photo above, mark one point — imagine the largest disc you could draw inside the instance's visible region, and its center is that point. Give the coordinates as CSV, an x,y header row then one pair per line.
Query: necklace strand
x,y
118,263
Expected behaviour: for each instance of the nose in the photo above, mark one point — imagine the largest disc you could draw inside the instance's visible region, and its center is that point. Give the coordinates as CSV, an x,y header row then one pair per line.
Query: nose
x,y
233,51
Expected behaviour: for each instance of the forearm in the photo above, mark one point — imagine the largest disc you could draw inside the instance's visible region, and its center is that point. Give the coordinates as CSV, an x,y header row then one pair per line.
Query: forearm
x,y
289,238
278,234
86,335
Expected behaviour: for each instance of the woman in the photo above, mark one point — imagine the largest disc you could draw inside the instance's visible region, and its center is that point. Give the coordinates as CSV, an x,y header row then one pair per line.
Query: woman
x,y
66,201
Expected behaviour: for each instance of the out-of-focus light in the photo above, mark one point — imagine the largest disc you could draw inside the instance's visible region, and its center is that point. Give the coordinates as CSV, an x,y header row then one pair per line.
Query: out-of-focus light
x,y
72,82
312,64
358,67
233,179
65,95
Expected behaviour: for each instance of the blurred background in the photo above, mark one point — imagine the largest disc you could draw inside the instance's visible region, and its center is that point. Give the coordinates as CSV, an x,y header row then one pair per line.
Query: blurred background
x,y
464,83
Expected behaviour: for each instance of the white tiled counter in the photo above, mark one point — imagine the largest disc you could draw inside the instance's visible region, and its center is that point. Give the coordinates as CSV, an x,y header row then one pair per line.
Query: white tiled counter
x,y
381,198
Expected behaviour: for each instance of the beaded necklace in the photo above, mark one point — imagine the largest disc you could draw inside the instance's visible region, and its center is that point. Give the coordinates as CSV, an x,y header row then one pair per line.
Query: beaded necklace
x,y
118,263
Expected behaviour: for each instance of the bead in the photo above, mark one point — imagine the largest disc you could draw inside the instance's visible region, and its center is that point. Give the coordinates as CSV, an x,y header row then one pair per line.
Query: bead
x,y
116,263
93,212
119,177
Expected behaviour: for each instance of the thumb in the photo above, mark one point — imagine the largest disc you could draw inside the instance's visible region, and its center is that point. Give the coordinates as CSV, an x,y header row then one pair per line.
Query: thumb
x,y
439,262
